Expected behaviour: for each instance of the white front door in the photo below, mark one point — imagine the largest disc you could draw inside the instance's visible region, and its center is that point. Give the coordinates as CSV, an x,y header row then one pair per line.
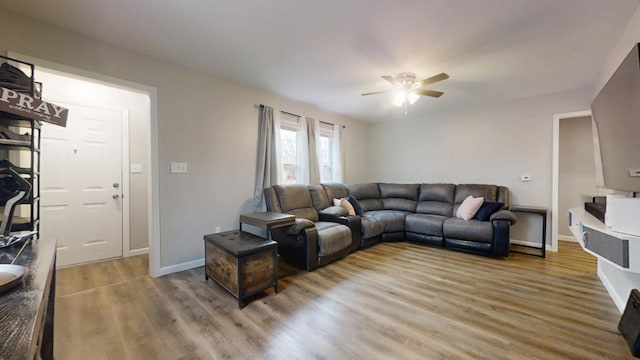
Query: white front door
x,y
81,185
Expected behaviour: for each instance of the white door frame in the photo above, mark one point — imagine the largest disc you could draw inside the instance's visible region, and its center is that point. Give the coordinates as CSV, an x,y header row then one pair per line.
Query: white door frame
x,y
153,176
555,178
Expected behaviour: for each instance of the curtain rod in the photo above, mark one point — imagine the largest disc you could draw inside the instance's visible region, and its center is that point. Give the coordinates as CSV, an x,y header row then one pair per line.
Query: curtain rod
x,y
257,106
282,111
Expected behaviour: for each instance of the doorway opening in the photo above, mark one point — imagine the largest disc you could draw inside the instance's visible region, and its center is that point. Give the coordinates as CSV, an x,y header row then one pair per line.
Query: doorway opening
x,y
131,189
574,172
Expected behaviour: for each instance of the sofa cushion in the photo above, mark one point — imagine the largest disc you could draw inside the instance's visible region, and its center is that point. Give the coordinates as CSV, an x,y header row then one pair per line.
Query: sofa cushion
x,y
335,190
393,220
401,197
436,199
371,227
367,194
319,197
403,191
503,196
437,192
469,207
425,224
488,192
471,230
487,209
293,196
295,199
399,204
332,237
335,211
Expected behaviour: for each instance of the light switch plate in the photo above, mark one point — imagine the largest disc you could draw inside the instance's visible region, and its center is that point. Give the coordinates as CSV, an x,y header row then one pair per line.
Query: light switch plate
x,y
634,172
526,178
178,167
136,168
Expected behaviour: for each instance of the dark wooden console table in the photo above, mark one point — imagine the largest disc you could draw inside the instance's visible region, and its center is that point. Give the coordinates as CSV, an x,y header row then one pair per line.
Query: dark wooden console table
x,y
268,220
27,310
542,212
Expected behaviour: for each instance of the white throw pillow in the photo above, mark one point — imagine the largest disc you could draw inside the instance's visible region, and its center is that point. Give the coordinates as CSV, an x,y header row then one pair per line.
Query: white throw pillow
x,y
469,207
347,205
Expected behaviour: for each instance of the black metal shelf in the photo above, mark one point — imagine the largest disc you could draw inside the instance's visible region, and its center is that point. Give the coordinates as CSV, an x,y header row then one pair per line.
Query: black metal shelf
x,y
26,138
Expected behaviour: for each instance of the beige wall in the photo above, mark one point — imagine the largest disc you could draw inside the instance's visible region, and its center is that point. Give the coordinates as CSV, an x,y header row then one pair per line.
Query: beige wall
x,y
619,50
202,120
576,168
494,144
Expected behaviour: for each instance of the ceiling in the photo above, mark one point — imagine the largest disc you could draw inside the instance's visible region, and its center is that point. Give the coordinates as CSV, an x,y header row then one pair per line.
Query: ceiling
x,y
326,53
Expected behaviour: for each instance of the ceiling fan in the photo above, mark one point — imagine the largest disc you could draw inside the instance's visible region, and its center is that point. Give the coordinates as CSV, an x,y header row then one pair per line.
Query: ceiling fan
x,y
407,90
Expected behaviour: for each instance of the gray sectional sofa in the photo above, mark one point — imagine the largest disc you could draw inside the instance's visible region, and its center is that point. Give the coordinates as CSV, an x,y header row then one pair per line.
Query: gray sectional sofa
x,y
420,213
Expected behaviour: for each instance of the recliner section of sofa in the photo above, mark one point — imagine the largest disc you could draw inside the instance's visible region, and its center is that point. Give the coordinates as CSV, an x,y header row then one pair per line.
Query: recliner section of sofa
x,y
311,242
420,213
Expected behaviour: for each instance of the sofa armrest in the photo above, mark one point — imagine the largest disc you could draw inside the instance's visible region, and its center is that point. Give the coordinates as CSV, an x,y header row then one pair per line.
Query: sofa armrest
x,y
334,211
298,226
504,215
300,250
502,221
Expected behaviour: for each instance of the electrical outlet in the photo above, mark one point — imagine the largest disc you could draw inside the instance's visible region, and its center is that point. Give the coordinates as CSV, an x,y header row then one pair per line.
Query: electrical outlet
x,y
634,172
178,167
526,178
217,229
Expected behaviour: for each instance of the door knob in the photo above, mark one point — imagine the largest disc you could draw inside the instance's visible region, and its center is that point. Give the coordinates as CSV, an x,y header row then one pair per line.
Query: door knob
x,y
116,185
115,196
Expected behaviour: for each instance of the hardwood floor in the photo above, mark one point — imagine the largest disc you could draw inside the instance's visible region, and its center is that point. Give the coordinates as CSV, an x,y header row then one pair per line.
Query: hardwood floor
x,y
395,300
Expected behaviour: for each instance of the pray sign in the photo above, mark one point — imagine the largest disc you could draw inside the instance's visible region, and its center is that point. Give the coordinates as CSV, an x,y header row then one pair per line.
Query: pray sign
x,y
22,104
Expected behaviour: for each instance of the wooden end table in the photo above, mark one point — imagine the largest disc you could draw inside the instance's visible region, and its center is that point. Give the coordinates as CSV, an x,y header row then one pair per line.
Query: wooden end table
x,y
267,219
242,263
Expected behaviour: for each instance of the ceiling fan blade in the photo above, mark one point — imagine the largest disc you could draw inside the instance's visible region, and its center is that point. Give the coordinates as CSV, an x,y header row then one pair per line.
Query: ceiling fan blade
x,y
429,93
389,79
433,79
376,92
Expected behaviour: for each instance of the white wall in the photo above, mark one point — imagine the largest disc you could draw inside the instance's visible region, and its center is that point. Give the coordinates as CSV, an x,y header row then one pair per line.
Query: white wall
x,y
629,37
576,168
494,144
202,120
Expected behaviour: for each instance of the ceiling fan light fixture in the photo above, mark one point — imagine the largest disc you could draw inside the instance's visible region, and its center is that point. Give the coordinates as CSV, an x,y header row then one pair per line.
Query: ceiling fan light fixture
x,y
412,97
399,97
406,90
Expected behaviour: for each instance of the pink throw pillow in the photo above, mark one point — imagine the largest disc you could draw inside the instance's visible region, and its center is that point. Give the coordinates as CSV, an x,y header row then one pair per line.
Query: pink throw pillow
x,y
469,207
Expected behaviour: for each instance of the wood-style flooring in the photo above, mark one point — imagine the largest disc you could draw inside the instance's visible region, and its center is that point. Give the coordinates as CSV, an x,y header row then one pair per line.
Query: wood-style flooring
x,y
392,301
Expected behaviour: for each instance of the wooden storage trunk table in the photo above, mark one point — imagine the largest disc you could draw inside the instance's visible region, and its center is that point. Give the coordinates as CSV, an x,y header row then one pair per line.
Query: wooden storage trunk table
x,y
242,263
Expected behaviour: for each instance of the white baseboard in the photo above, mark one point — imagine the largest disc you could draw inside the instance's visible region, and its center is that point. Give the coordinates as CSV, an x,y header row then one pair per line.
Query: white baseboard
x,y
136,252
613,294
567,238
165,270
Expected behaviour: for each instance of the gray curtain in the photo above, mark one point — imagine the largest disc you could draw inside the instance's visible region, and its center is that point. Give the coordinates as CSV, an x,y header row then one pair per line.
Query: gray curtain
x,y
266,164
314,166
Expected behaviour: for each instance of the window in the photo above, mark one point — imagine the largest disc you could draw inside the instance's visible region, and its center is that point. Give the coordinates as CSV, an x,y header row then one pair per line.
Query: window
x,y
325,156
294,150
288,147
